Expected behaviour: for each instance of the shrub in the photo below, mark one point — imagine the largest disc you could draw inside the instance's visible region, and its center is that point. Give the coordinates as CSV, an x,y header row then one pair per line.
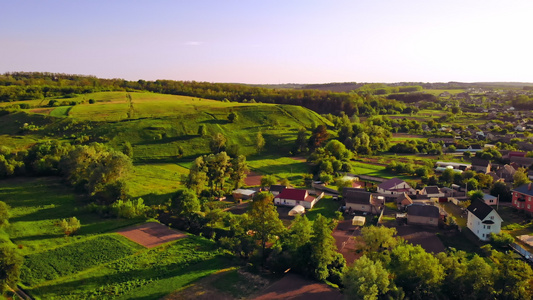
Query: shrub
x,y
130,209
501,239
70,226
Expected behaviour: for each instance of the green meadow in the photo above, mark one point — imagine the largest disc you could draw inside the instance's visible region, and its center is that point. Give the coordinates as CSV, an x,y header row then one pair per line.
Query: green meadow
x,y
96,262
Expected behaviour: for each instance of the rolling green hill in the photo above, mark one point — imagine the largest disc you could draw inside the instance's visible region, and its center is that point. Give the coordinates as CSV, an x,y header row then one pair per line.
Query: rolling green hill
x,y
158,125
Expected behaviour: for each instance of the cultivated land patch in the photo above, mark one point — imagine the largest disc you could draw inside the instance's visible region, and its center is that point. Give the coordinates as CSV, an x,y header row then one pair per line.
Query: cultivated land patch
x,y
253,179
296,287
151,234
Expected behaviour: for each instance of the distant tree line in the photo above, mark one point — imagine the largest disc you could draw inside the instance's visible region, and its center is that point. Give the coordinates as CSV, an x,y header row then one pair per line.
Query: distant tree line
x,y
24,86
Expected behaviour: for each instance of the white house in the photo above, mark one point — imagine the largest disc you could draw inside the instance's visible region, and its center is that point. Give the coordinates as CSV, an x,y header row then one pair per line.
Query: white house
x,y
395,186
293,197
483,220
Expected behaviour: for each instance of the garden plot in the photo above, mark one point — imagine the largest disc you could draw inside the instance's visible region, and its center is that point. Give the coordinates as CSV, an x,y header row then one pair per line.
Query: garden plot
x,y
151,234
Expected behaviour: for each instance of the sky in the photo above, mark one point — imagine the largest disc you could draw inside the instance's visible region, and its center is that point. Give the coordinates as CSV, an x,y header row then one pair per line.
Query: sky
x,y
271,42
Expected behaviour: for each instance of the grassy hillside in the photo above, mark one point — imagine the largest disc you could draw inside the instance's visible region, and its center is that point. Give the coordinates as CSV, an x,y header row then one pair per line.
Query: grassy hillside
x,y
156,125
160,127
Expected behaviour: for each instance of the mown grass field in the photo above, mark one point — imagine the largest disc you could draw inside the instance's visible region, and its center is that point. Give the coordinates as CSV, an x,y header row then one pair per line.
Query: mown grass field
x,y
326,207
282,167
155,182
361,168
96,262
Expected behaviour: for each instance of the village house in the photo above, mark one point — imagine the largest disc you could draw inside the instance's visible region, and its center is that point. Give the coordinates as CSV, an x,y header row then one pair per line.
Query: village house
x,y
481,165
483,220
360,200
523,198
423,214
403,201
395,186
489,199
293,197
275,189
522,162
432,192
506,173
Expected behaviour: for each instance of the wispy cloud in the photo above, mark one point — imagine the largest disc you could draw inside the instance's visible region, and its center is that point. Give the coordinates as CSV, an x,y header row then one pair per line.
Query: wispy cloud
x,y
192,43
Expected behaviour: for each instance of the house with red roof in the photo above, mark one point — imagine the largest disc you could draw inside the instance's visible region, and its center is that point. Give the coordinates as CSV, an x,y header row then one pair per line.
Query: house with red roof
x,y
395,186
293,197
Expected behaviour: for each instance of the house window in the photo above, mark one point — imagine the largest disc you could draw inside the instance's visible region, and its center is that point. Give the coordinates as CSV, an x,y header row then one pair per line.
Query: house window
x,y
492,217
483,235
528,206
483,226
488,226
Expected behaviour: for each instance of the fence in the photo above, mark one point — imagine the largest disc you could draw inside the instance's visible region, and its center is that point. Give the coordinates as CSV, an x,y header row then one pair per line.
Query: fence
x,y
528,256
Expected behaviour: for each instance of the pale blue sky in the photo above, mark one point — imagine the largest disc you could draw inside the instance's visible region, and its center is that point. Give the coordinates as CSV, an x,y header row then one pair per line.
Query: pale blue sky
x,y
271,41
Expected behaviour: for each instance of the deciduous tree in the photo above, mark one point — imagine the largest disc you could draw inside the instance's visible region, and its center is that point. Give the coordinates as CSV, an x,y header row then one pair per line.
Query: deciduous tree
x,y
268,180
10,263
323,247
264,220
520,177
366,279
259,142
218,143
238,170
185,202
4,214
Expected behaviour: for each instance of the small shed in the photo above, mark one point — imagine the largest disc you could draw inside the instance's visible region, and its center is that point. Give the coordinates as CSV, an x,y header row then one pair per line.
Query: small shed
x,y
243,194
358,221
297,210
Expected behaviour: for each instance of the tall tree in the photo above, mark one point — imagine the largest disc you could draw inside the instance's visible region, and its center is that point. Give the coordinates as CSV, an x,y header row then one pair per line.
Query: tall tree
x,y
301,141
323,247
238,170
299,234
514,278
218,143
520,177
197,177
500,190
217,168
419,273
264,220
366,279
4,214
127,149
10,263
376,239
268,180
259,142
318,137
185,202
